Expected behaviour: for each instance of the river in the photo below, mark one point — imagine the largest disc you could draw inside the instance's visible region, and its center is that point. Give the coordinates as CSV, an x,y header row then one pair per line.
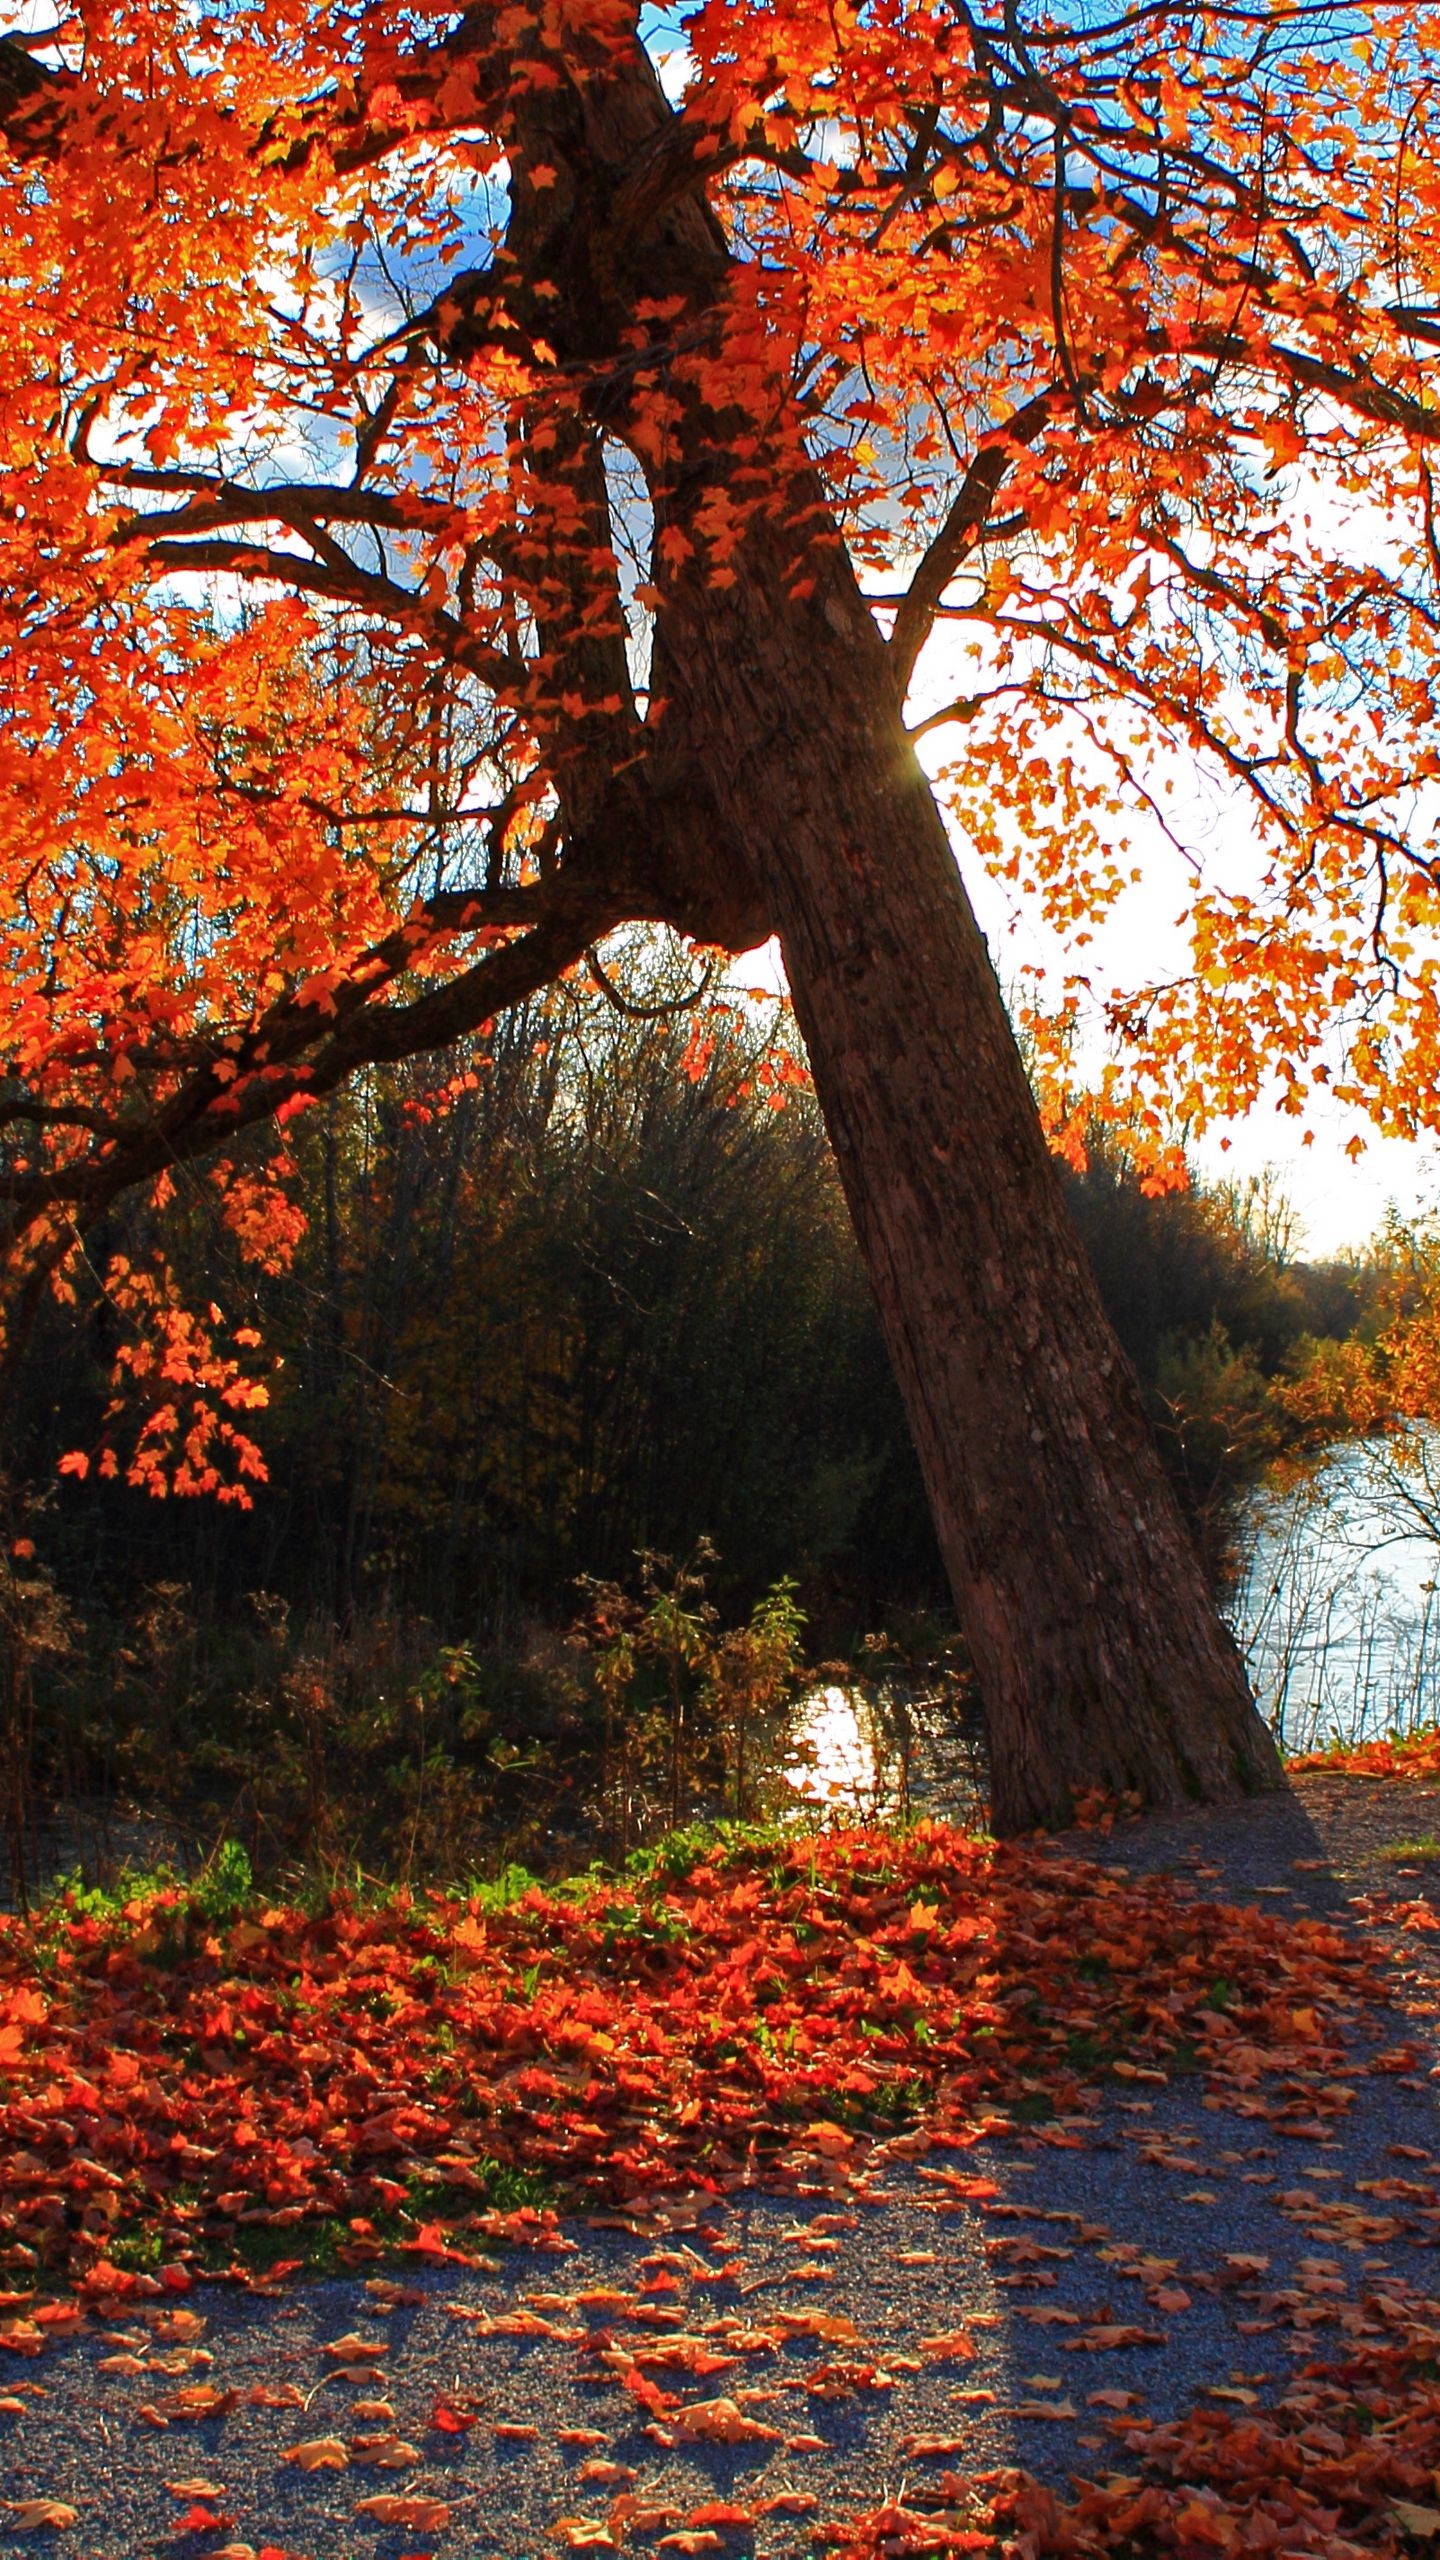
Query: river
x,y
1337,1613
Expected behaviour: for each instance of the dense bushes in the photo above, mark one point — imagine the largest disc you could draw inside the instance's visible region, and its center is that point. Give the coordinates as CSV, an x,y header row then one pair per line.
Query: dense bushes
x,y
594,1304
585,1291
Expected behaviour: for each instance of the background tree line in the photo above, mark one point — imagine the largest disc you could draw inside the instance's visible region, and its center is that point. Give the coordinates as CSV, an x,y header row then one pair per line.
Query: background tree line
x,y
589,1290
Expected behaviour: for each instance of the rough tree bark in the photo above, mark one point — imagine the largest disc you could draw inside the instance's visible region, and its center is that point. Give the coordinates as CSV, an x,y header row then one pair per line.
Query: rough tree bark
x,y
1100,1657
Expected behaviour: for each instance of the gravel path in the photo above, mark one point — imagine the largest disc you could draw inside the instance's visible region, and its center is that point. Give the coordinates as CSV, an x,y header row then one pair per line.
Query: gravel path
x,y
1156,2250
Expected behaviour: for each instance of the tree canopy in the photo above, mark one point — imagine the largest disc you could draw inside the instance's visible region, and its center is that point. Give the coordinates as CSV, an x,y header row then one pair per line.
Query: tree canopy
x,y
347,503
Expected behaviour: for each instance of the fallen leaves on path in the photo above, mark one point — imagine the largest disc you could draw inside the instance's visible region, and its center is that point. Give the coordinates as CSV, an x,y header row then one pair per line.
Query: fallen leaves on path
x,y
786,2011
183,2086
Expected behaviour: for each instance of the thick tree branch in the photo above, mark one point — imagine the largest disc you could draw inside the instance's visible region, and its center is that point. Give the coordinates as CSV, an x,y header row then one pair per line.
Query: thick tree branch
x,y
300,1049
217,502
963,528
350,584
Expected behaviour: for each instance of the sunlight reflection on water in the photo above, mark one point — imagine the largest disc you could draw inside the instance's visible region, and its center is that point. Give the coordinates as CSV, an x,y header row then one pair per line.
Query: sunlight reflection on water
x,y
833,1758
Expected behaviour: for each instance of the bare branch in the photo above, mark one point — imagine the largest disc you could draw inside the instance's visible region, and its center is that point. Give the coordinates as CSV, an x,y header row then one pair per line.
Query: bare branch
x,y
648,1012
961,531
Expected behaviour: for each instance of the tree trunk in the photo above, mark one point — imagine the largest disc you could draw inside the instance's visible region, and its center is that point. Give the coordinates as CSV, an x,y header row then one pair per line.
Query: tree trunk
x,y
1100,1657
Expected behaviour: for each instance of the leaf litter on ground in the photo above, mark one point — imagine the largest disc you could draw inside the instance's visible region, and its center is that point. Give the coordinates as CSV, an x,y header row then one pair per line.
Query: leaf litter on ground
x,y
793,2011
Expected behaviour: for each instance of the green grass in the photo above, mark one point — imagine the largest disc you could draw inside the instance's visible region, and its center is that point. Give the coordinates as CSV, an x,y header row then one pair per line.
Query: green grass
x,y
225,1889
140,2252
319,2245
498,1893
895,2102
324,2245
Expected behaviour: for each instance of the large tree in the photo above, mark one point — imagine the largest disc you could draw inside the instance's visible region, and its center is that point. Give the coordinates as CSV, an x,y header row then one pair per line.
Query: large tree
x,y
461,491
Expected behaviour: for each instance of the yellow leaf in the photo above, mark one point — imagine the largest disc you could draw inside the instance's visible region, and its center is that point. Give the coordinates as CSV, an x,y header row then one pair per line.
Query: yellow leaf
x,y
1422,2522
828,2138
719,2422
385,2453
322,2453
